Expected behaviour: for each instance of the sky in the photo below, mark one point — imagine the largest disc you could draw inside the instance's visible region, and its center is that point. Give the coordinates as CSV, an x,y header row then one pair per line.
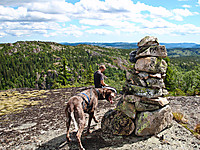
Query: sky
x,y
171,21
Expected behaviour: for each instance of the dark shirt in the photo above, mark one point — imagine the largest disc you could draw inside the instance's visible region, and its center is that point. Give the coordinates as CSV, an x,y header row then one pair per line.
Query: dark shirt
x,y
98,76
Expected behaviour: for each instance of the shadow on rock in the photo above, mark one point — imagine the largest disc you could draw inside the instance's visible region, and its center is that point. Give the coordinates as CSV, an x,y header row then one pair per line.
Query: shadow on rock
x,y
93,141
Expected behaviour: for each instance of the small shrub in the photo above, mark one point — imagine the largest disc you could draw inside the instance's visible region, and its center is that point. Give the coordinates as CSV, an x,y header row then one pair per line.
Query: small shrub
x,y
179,92
179,117
197,128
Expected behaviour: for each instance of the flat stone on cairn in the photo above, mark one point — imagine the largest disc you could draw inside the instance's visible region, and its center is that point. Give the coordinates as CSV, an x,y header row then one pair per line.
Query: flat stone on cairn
x,y
143,107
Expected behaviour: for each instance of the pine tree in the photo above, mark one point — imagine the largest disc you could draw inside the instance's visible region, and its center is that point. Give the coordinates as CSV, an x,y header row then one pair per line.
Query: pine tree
x,y
90,77
64,75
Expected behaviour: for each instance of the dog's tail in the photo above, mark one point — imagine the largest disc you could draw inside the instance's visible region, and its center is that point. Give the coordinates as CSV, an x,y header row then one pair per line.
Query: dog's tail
x,y
70,114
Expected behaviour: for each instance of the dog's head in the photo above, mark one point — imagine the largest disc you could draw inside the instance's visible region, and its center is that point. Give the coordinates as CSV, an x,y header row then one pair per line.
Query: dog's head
x,y
109,94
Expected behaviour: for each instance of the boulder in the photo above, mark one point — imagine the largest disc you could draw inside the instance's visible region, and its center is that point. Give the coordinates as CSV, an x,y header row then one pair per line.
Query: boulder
x,y
161,101
148,41
117,123
155,83
155,51
142,91
132,56
139,106
127,108
151,123
136,80
151,65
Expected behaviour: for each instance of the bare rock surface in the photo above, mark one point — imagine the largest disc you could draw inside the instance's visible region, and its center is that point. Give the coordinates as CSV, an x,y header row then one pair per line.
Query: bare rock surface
x,y
42,127
150,123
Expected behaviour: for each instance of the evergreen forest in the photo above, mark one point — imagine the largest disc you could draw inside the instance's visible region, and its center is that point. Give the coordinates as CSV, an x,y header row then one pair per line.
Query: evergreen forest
x,y
49,65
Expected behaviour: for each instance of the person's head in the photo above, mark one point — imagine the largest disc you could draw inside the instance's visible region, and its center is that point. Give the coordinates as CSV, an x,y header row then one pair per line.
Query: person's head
x,y
102,68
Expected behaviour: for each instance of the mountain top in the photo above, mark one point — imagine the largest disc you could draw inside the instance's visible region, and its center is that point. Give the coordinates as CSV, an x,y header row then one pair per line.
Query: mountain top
x,y
43,127
126,45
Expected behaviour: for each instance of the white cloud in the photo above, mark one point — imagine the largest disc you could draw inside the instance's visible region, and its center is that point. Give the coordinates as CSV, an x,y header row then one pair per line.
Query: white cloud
x,y
27,28
180,13
70,30
99,31
186,6
46,16
22,14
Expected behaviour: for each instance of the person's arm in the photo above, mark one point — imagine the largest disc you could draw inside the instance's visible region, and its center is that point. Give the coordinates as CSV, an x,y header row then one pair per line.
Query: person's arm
x,y
102,83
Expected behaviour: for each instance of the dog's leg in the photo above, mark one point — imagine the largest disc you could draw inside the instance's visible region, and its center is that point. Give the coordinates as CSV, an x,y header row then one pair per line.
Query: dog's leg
x,y
95,119
80,118
68,121
89,121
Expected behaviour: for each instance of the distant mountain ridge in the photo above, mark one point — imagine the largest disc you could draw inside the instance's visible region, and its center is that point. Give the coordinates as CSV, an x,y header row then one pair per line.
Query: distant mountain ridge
x,y
126,45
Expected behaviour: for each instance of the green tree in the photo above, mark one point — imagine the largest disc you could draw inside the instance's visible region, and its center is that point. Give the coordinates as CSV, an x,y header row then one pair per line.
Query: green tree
x,y
169,79
90,76
64,74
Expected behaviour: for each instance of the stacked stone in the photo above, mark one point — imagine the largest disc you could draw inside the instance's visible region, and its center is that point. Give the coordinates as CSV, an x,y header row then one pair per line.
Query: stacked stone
x,y
143,108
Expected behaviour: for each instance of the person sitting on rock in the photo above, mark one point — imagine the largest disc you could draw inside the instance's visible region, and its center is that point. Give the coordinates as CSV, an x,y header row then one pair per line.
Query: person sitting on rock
x,y
99,78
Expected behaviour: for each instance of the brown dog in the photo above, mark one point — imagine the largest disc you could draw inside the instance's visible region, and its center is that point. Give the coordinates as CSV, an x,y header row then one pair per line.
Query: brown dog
x,y
86,102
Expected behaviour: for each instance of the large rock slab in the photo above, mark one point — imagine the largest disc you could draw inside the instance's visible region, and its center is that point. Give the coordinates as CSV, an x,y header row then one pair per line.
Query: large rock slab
x,y
148,41
117,123
142,91
128,109
151,65
161,101
151,123
155,51
139,106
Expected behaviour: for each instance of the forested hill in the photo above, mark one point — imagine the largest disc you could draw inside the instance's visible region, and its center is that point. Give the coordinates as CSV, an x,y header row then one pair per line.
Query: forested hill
x,y
49,65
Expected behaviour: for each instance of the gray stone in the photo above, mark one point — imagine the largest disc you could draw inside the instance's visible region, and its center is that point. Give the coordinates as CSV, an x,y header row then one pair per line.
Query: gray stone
x,y
148,41
132,56
117,123
155,83
142,91
143,75
136,80
128,109
25,126
157,75
155,51
165,92
151,65
151,123
131,98
162,101
139,106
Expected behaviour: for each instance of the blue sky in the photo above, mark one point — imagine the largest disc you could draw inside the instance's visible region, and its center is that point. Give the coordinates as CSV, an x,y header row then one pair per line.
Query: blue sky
x,y
99,20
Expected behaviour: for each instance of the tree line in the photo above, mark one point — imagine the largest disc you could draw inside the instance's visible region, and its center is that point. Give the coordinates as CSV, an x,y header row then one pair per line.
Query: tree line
x,y
48,65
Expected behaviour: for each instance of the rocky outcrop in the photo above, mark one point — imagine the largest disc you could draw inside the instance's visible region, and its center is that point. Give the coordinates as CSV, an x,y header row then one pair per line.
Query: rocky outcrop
x,y
143,105
150,123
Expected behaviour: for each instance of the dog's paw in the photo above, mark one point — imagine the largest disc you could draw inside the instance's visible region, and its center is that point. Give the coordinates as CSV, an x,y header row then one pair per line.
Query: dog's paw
x,y
89,131
69,139
96,121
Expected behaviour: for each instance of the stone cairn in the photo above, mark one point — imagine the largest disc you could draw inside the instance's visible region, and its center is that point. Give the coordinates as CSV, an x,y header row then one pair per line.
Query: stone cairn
x,y
143,109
